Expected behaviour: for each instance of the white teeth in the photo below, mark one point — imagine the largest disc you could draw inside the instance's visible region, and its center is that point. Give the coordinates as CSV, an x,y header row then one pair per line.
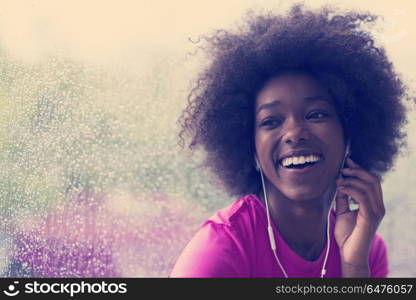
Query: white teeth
x,y
296,160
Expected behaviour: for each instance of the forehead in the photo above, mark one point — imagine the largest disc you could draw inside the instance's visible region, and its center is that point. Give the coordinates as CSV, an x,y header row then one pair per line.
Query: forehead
x,y
293,88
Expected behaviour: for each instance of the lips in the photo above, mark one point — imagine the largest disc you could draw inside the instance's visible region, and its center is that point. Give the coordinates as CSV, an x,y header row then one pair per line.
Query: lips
x,y
304,152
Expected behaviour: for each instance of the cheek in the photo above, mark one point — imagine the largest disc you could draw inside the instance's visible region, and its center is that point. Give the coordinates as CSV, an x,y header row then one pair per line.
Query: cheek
x,y
264,144
331,133
263,141
337,137
334,140
331,137
259,139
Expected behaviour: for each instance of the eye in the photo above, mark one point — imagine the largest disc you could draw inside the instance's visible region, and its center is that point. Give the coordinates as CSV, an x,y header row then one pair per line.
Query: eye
x,y
317,115
271,123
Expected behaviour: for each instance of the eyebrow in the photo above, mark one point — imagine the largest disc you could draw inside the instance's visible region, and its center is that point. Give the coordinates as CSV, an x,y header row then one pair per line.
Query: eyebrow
x,y
278,102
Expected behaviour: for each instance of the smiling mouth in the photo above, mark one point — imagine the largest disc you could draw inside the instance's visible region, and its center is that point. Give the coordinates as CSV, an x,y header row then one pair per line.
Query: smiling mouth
x,y
300,162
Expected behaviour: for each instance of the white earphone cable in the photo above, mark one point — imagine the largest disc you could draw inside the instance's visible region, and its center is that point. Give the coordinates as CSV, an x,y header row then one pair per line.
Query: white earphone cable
x,y
270,229
273,241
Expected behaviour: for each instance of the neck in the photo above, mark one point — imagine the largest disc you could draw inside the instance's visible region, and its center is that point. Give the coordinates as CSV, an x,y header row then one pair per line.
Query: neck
x,y
302,224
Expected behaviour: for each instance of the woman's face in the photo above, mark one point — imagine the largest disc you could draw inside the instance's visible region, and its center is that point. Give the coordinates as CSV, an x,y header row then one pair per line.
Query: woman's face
x,y
298,136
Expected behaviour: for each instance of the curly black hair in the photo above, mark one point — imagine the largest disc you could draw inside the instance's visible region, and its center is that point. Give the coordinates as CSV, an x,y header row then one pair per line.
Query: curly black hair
x,y
334,48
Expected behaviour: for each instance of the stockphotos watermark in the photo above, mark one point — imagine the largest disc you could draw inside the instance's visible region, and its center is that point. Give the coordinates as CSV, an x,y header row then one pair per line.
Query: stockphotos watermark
x,y
70,289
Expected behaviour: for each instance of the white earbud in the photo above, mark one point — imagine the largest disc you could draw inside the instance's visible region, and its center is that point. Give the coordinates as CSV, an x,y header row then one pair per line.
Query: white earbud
x,y
257,164
352,204
347,152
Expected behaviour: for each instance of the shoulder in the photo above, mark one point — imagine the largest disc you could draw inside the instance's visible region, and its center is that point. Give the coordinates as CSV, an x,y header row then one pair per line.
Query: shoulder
x,y
237,225
243,211
378,243
221,246
378,246
378,259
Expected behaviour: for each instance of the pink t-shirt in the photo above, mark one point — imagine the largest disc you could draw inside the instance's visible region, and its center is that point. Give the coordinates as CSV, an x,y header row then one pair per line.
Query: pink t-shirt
x,y
234,243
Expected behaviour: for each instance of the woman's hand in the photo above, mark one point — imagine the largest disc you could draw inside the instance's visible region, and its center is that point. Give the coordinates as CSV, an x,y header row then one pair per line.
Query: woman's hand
x,y
355,230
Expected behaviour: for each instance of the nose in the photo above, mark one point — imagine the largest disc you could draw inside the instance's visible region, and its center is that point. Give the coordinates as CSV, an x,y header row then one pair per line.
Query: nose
x,y
295,132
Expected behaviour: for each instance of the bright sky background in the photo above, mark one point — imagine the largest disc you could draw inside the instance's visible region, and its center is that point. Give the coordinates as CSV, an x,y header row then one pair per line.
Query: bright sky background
x,y
106,30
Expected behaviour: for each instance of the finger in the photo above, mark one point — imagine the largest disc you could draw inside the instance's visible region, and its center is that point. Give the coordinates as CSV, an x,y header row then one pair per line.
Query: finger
x,y
357,181
359,196
363,199
360,173
341,203
369,178
366,218
365,188
351,163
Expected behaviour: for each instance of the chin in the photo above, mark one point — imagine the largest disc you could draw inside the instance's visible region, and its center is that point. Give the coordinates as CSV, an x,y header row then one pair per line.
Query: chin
x,y
304,195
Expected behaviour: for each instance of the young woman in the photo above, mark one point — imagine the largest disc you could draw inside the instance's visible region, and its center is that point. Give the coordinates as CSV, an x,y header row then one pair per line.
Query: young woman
x,y
299,115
